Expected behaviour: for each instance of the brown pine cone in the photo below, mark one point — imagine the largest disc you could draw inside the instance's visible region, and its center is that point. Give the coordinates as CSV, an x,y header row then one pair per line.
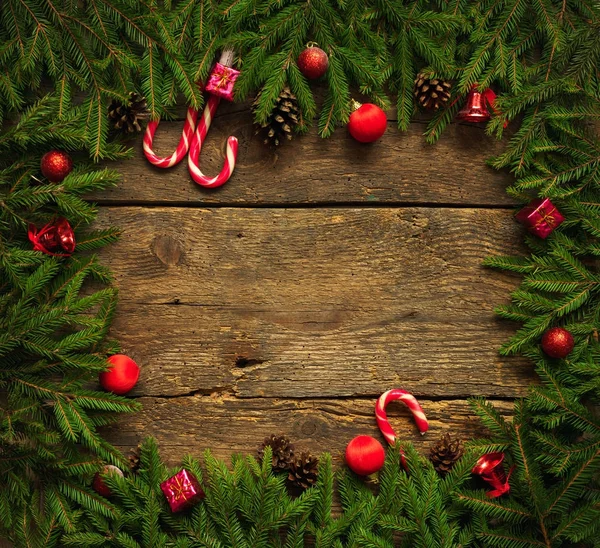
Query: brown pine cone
x,y
431,93
445,453
304,470
282,449
127,117
134,458
282,120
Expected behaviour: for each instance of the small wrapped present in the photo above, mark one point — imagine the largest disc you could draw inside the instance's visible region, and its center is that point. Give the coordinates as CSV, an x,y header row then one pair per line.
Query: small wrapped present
x,y
540,217
182,490
221,81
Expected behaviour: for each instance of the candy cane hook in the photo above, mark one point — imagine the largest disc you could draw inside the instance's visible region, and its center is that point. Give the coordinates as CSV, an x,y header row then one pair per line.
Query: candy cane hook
x,y
182,148
196,145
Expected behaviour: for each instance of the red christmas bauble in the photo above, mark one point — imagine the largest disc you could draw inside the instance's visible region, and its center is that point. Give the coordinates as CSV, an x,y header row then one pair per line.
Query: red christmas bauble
x,y
122,376
365,455
98,484
367,123
56,165
313,62
557,342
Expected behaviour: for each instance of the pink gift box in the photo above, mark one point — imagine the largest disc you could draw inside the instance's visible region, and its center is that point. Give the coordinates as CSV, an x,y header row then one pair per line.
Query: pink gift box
x,y
182,490
221,81
540,217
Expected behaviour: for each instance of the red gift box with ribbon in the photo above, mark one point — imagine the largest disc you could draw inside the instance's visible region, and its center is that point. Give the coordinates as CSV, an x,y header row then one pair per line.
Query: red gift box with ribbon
x,y
221,81
182,490
540,217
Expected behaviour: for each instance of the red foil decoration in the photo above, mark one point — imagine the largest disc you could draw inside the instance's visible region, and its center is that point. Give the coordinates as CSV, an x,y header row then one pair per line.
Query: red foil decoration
x,y
540,217
221,81
56,238
491,470
475,109
182,490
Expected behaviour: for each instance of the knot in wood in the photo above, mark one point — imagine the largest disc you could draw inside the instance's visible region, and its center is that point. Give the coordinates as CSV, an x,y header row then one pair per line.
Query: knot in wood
x,y
167,249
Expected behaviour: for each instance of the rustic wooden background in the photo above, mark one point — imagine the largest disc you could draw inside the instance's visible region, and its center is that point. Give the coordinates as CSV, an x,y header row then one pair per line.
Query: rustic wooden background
x,y
320,275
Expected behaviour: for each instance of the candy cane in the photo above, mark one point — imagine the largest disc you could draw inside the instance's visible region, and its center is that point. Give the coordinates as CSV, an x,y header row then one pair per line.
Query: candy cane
x,y
196,145
182,147
410,401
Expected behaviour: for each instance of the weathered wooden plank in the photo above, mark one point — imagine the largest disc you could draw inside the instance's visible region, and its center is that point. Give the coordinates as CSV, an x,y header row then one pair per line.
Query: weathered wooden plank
x,y
228,425
314,302
400,167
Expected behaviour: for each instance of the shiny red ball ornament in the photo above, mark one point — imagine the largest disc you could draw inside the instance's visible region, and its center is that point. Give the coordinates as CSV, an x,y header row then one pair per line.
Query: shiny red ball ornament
x,y
56,238
313,62
557,342
122,375
56,165
365,455
98,483
367,123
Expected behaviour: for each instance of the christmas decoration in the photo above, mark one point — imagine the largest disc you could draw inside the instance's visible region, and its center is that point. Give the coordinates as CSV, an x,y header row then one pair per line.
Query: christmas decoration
x,y
365,455
134,458
304,470
313,62
121,376
367,123
557,342
475,109
126,117
56,165
221,81
282,120
56,238
282,449
98,484
182,490
431,93
540,217
193,137
445,453
491,470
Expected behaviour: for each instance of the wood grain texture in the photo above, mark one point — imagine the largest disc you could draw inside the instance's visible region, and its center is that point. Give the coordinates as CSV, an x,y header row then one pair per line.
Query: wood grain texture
x,y
228,425
399,168
308,303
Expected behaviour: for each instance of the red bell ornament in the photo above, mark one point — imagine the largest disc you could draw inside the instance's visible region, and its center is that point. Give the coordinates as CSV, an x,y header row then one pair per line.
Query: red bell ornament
x,y
490,467
475,109
56,238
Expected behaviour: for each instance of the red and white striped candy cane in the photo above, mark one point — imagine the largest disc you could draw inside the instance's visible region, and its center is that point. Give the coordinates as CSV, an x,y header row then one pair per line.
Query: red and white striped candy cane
x,y
193,158
182,147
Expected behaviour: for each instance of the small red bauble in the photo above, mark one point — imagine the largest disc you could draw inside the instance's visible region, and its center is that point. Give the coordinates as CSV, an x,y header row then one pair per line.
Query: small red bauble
x,y
98,484
557,342
367,123
122,375
56,165
365,455
313,62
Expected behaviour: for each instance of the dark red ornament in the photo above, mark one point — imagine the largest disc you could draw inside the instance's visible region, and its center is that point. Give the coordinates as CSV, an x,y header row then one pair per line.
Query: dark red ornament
x,y
56,238
182,490
313,61
365,455
491,469
475,109
56,165
557,342
367,123
121,376
98,484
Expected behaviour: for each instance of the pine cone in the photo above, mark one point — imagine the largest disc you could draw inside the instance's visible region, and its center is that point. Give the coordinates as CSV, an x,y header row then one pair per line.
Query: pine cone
x,y
304,470
134,458
431,93
282,449
445,453
126,117
282,120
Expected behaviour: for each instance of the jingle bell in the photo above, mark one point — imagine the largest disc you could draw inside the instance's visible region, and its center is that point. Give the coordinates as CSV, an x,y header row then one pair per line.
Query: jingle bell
x,y
475,109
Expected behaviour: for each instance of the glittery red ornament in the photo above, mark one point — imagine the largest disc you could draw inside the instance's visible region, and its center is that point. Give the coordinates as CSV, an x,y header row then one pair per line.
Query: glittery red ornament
x,y
56,165
122,376
491,469
365,455
367,123
98,484
557,342
313,62
56,238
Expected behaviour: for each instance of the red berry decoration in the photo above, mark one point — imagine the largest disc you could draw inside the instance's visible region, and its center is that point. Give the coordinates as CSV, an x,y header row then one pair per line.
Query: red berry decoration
x,y
98,484
557,342
56,165
313,62
365,455
367,123
122,376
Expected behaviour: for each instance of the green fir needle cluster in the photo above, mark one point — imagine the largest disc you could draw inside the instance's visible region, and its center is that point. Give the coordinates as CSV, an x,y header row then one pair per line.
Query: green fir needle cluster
x,y
62,63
